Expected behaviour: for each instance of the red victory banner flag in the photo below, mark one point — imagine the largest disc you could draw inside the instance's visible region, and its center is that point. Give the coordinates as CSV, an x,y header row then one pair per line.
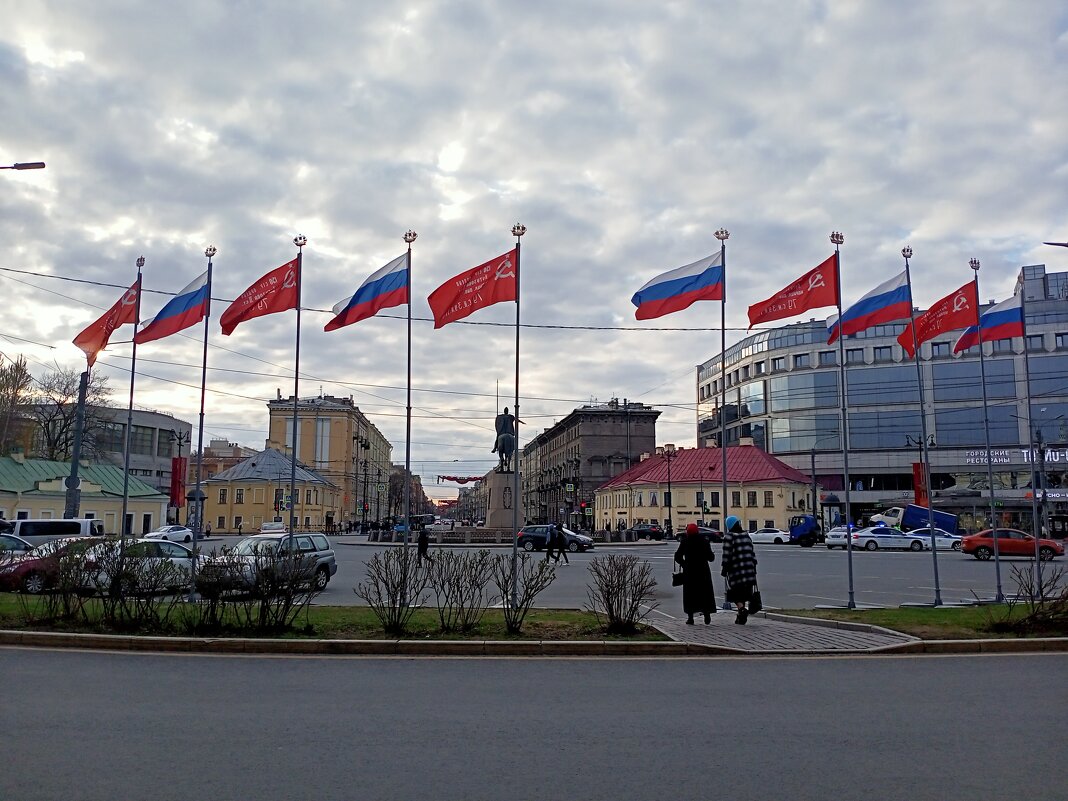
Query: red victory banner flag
x,y
466,293
95,338
956,310
814,289
275,292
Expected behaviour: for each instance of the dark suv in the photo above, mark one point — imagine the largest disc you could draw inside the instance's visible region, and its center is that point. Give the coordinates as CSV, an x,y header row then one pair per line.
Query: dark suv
x,y
532,538
649,531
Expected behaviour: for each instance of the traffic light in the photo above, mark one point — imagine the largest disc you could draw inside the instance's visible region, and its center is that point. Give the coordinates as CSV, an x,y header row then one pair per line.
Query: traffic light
x,y
582,505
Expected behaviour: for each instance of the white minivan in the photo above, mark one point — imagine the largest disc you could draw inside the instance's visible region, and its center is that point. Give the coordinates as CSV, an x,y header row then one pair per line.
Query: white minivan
x,y
37,531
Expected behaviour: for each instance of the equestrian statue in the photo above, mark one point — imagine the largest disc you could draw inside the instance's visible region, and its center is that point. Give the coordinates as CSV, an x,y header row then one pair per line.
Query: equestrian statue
x,y
504,445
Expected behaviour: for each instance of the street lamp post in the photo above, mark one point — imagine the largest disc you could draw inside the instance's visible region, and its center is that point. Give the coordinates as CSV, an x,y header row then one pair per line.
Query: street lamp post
x,y
26,165
180,439
924,444
668,502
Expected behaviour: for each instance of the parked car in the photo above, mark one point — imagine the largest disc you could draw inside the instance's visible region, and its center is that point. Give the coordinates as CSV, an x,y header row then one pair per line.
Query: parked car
x,y
944,541
533,538
150,565
836,538
772,536
1011,542
37,570
38,532
13,546
273,527
875,538
172,533
710,534
260,559
646,531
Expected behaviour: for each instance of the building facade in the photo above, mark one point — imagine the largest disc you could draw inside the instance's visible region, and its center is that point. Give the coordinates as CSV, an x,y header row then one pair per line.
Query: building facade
x,y
782,390
563,465
337,441
674,487
155,439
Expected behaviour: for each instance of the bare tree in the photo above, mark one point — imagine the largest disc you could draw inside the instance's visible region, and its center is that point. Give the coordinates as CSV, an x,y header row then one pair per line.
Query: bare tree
x,y
53,403
15,383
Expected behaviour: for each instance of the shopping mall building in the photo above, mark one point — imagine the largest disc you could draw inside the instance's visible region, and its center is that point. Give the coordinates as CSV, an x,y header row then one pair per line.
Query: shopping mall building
x,y
782,390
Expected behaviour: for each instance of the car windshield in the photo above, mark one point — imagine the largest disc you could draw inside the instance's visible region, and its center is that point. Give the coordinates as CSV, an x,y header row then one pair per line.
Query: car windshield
x,y
252,546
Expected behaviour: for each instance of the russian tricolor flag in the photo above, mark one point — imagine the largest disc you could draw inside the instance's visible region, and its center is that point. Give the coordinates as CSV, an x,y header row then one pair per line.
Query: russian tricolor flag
x,y
886,303
1003,321
677,289
187,308
385,287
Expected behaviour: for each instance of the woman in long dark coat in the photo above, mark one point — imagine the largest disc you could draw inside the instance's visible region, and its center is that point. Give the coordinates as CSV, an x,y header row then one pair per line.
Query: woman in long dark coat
x,y
739,567
694,554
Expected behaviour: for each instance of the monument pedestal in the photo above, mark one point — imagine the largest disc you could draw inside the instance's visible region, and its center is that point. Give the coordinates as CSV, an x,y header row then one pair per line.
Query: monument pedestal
x,y
500,500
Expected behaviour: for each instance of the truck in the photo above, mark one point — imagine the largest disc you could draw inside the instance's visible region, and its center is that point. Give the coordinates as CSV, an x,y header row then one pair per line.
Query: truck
x,y
805,531
913,516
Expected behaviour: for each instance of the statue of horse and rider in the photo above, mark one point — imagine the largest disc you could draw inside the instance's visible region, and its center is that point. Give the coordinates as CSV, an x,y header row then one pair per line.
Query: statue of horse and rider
x,y
504,445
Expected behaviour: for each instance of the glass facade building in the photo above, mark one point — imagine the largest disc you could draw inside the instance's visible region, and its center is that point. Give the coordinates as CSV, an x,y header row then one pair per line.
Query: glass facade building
x,y
782,391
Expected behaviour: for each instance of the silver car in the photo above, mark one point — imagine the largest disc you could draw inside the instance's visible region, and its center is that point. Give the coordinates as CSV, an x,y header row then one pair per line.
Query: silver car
x,y
262,557
944,541
836,538
875,538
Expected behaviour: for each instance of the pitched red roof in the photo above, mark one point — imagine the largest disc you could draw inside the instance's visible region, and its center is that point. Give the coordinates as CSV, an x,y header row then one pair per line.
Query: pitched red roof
x,y
745,463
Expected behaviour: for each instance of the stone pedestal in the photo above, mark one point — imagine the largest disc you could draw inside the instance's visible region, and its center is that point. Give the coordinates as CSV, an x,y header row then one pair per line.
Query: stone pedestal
x,y
500,500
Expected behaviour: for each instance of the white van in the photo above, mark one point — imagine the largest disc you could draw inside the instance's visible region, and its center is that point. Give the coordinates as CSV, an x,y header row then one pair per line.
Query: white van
x,y
37,531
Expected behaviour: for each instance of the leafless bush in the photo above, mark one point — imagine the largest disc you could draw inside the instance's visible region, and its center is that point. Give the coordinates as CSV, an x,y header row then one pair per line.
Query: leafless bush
x,y
459,580
531,575
622,592
135,591
395,586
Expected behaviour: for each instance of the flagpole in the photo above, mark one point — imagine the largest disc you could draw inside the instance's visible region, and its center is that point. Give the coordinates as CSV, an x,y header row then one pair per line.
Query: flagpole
x,y
723,235
198,527
300,241
906,252
1036,524
517,231
837,238
999,596
129,418
409,237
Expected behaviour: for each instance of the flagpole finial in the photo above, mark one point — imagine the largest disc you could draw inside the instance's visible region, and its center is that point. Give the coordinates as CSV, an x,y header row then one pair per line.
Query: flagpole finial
x,y
722,234
410,236
210,251
837,237
518,229
974,264
300,240
140,262
907,251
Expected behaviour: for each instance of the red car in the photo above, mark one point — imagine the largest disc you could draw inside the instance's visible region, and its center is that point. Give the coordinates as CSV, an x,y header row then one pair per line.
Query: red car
x,y
38,569
1011,542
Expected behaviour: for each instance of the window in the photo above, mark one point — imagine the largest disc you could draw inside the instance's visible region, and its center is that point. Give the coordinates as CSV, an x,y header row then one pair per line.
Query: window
x,y
652,498
802,360
759,367
1062,341
751,498
222,495
769,498
828,358
960,380
752,526
638,499
939,348
143,440
307,496
1002,346
883,353
165,445
778,363
803,391
855,356
713,499
745,373
238,521
257,495
220,522
881,385
769,524
700,500
1035,342
882,430
736,498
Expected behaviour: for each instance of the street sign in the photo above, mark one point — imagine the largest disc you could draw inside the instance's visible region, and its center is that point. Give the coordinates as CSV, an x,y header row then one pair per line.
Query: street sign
x,y
381,487
569,487
562,510
589,511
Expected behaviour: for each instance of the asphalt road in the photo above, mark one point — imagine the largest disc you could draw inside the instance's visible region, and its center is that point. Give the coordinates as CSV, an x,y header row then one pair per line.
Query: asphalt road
x,y
790,577
86,726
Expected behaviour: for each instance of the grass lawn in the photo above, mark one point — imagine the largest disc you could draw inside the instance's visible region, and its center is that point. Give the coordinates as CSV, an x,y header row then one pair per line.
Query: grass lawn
x,y
359,623
953,623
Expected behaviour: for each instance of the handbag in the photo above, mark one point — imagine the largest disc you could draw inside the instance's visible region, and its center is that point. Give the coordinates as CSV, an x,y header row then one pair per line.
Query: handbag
x,y
755,603
676,579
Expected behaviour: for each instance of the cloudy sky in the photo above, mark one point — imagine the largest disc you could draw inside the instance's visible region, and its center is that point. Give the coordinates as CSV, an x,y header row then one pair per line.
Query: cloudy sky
x,y
622,134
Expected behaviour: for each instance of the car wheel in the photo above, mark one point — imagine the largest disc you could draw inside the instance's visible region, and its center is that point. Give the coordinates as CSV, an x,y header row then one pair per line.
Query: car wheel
x,y
34,583
915,545
164,538
778,540
322,578
956,546
573,547
528,546
187,538
983,553
871,545
1045,553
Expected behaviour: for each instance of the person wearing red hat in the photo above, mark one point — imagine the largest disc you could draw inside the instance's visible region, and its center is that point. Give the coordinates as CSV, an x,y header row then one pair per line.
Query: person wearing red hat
x,y
694,554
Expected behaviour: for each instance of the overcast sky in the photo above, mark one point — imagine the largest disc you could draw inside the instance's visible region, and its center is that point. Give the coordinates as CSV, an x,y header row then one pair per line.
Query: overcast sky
x,y
622,134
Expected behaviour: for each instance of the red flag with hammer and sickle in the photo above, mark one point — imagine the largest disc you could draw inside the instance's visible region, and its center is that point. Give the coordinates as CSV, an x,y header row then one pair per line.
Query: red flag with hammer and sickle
x,y
814,289
958,309
95,338
275,292
489,283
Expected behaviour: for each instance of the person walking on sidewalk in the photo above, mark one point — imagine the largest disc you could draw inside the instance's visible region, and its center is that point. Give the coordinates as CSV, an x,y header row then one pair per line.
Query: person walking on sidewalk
x,y
739,567
694,554
424,546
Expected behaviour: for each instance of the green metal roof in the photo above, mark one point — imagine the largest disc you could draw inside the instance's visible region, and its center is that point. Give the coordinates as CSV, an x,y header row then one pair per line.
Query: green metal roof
x,y
23,478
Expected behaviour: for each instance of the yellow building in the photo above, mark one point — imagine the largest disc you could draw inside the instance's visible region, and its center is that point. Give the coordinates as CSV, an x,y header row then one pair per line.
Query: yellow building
x,y
338,442
35,489
255,491
763,491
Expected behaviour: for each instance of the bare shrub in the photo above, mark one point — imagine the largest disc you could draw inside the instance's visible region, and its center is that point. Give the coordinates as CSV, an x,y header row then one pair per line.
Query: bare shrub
x,y
532,576
134,589
395,587
622,592
459,580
